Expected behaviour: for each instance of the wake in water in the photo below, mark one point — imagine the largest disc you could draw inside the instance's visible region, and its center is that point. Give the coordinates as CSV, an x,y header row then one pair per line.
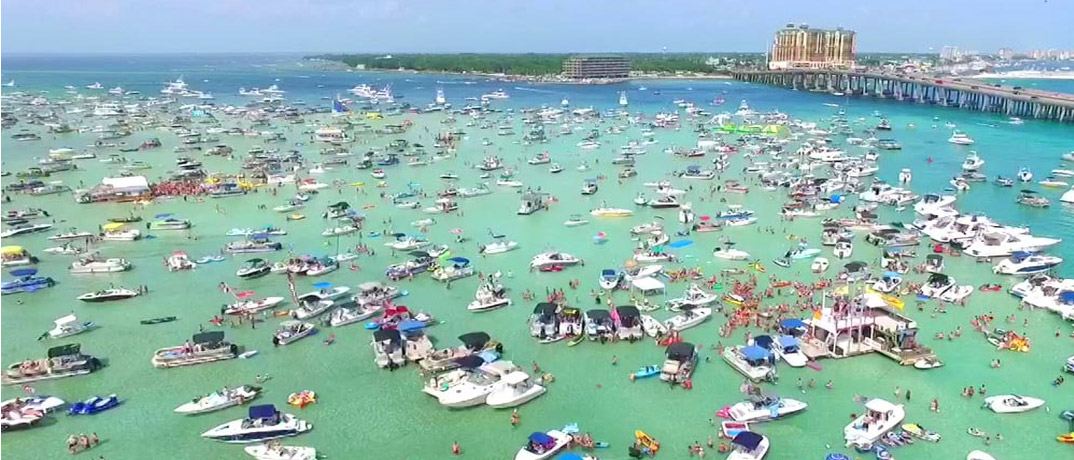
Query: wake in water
x,y
535,90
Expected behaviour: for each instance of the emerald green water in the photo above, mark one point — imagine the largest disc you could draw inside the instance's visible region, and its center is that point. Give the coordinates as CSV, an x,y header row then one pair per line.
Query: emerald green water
x,y
363,411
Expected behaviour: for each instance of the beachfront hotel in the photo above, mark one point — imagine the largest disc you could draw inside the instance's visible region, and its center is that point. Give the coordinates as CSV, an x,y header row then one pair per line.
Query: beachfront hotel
x,y
596,67
803,47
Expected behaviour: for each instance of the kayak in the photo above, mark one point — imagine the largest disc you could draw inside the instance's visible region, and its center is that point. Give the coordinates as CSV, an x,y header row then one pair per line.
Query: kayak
x,y
647,371
647,441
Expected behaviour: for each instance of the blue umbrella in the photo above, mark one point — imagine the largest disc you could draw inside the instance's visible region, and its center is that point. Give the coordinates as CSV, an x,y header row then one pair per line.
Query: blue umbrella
x,y
322,285
24,272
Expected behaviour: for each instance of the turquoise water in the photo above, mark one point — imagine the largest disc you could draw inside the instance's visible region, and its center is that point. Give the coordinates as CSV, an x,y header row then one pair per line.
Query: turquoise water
x,y
366,412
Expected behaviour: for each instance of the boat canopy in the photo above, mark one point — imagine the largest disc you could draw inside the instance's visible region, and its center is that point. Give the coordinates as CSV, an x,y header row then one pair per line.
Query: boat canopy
x,y
627,311
470,361
263,411
608,273
647,284
764,341
933,258
322,285
20,272
382,335
787,341
410,325
65,350
855,266
756,353
792,323
879,405
748,439
1066,297
1019,256
938,278
681,351
474,340
515,378
66,320
211,337
892,275
8,250
545,309
542,439
598,314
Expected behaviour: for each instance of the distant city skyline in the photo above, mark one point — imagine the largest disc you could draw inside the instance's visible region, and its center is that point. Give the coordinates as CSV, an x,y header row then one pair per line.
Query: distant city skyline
x,y
545,26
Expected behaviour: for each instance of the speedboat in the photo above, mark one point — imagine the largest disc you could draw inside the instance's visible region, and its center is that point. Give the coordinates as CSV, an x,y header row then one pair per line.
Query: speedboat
x,y
248,306
610,278
748,445
819,265
880,416
108,295
1025,264
730,254
513,390
690,317
653,327
350,312
960,138
327,293
253,268
311,308
756,363
92,265
549,259
944,288
489,297
972,162
41,404
1009,404
1004,242
497,247
261,424
764,408
611,212
789,349
542,446
888,283
843,249
270,451
375,292
1025,175
217,400
406,243
93,405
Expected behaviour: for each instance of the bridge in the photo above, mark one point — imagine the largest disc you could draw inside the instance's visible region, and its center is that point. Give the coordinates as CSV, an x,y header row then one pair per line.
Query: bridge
x,y
965,93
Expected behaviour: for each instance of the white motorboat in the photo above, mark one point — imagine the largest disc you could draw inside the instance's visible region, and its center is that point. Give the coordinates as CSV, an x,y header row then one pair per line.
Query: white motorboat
x,y
345,315
748,445
121,234
263,423
108,295
789,349
513,390
221,399
542,446
1003,242
945,288
654,226
546,259
91,265
653,327
905,176
888,283
67,326
819,265
754,362
489,297
328,293
692,298
292,331
972,162
375,292
763,409
960,138
843,249
407,243
468,387
344,230
979,455
690,317
740,221
1025,175
880,416
179,260
311,308
39,403
1011,404
498,247
611,212
610,279
730,254
251,305
1025,264
281,452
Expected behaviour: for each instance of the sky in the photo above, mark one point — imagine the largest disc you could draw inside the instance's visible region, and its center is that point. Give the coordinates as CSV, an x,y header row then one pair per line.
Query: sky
x,y
445,26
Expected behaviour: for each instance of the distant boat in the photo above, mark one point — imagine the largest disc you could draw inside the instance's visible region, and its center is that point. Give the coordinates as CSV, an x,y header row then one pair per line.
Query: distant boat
x,y
10,84
623,99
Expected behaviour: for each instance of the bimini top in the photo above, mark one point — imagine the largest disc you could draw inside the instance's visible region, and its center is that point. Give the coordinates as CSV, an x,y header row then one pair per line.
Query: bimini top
x,y
263,411
755,353
879,405
470,361
542,439
545,309
382,335
474,340
65,350
598,314
681,350
792,323
748,439
787,341
764,341
211,337
627,311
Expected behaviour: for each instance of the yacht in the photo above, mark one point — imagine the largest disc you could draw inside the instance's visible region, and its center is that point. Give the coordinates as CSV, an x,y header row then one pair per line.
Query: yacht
x,y
880,417
764,408
513,390
468,387
261,424
960,138
498,94
1003,243
1025,264
756,363
973,162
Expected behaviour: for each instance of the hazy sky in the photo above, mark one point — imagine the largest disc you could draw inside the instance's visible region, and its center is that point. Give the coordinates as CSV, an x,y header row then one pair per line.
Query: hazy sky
x,y
519,25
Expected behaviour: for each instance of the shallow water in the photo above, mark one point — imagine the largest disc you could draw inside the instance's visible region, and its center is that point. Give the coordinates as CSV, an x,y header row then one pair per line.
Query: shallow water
x,y
363,411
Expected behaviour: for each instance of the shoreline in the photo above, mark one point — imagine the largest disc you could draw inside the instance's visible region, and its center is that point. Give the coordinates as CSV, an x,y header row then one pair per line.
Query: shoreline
x,y
1027,75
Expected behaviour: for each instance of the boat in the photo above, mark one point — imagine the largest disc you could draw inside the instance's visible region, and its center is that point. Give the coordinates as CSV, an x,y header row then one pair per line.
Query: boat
x,y
755,362
1025,175
39,404
325,293
248,306
489,297
819,265
689,317
108,295
253,244
789,349
90,265
1025,263
843,249
218,400
960,138
760,408
1010,404
262,423
979,455
16,416
469,385
349,312
22,229
404,242
729,253
653,327
292,331
972,162
879,417
67,326
272,451
26,280
513,390
542,446
610,279
93,405
61,361
611,212
388,348
905,176
680,359
453,269
169,224
204,347
920,432
748,445
556,259
375,292
693,297
253,268
497,247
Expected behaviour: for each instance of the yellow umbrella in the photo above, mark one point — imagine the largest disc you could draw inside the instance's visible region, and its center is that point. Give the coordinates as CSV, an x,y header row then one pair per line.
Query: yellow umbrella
x,y
8,250
112,226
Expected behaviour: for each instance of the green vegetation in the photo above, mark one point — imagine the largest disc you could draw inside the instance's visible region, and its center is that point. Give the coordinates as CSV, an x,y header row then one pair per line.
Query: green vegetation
x,y
541,64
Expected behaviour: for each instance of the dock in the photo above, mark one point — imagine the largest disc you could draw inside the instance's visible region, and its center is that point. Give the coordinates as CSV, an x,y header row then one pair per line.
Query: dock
x,y
965,93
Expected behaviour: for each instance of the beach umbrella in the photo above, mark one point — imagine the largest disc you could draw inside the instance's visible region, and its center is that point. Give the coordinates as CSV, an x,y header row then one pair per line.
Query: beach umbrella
x,y
244,295
322,285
